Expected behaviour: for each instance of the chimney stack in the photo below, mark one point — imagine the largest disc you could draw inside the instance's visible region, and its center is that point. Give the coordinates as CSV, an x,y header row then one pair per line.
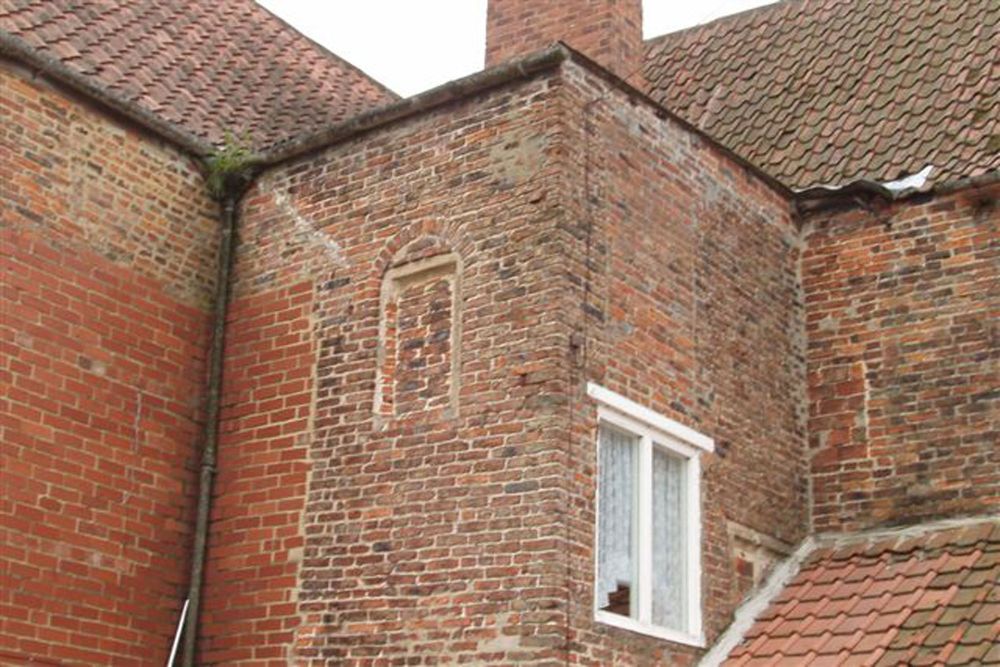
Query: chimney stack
x,y
607,31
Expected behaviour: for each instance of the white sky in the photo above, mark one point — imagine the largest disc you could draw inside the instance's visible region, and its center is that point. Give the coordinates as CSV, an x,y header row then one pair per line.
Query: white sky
x,y
413,45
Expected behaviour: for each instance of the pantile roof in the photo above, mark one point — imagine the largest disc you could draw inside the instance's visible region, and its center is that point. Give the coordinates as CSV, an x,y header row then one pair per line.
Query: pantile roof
x,y
929,599
208,67
826,92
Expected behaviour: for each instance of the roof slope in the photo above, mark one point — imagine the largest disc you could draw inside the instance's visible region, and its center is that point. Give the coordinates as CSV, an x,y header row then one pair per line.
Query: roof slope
x,y
914,600
209,67
833,91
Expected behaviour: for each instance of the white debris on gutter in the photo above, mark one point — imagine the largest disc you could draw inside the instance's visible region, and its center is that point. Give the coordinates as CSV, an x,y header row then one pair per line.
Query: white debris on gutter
x,y
752,608
827,187
913,181
890,188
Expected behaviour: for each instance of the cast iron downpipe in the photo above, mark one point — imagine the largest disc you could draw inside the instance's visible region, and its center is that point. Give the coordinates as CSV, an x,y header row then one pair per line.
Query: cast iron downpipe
x,y
229,199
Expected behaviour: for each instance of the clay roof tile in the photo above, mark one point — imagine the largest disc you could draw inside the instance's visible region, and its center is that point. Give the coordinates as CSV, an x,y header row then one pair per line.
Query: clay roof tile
x,y
207,67
794,75
930,598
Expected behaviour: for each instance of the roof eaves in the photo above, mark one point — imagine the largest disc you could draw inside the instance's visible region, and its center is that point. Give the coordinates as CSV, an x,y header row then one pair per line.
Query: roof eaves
x,y
986,180
521,68
820,197
16,49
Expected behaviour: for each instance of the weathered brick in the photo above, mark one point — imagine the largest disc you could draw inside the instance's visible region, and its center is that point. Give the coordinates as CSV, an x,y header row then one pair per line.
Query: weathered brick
x,y
407,458
421,494
901,311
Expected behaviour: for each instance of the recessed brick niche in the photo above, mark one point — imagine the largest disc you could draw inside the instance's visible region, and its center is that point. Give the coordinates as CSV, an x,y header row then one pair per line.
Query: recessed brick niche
x,y
420,338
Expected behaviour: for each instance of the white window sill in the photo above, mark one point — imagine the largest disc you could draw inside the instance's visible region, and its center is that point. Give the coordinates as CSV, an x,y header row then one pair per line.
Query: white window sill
x,y
657,631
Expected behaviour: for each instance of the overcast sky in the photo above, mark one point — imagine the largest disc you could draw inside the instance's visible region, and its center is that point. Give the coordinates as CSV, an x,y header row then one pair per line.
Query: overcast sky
x,y
413,45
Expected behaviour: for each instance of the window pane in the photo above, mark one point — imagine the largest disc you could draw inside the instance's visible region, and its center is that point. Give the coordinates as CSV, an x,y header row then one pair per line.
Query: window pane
x,y
616,530
669,593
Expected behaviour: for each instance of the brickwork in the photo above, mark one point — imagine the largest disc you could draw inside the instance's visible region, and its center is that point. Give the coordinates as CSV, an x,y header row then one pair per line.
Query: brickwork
x,y
251,580
428,534
608,31
902,310
407,460
686,300
423,327
107,254
419,352
434,274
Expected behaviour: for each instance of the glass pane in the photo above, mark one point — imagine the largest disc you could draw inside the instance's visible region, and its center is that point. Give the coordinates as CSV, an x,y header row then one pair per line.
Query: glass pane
x,y
669,591
617,523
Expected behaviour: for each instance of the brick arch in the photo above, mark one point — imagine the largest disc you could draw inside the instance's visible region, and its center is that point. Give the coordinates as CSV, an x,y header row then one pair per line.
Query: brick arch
x,y
420,248
406,245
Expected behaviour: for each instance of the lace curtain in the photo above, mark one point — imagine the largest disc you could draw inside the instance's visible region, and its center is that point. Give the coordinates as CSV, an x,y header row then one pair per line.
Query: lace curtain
x,y
617,583
616,564
668,540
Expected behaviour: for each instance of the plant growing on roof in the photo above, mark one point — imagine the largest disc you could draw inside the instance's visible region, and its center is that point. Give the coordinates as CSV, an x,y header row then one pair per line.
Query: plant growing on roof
x,y
229,165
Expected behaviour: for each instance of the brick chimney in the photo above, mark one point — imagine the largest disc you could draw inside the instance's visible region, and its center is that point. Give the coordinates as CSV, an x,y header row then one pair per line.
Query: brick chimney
x,y
608,31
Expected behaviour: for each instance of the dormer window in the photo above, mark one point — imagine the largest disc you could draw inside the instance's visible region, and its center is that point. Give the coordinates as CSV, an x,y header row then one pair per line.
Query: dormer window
x,y
648,550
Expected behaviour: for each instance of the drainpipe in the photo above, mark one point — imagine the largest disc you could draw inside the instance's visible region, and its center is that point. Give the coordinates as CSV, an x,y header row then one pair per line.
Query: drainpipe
x,y
210,435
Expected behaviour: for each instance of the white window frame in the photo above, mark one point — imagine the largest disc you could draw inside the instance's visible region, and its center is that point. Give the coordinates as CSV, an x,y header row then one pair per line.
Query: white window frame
x,y
655,430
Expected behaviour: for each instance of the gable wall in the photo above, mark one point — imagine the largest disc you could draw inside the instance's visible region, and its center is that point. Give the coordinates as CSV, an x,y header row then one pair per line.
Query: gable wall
x,y
107,242
902,310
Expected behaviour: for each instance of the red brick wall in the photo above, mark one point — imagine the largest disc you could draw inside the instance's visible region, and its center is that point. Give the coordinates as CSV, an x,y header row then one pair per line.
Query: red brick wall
x,y
608,31
251,575
106,243
902,310
686,300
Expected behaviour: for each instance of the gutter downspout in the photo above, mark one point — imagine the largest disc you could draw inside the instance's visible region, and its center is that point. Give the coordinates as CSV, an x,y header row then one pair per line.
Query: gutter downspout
x,y
210,435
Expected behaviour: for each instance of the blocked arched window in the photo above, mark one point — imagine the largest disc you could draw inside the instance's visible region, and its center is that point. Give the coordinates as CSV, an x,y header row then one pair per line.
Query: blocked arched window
x,y
419,346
